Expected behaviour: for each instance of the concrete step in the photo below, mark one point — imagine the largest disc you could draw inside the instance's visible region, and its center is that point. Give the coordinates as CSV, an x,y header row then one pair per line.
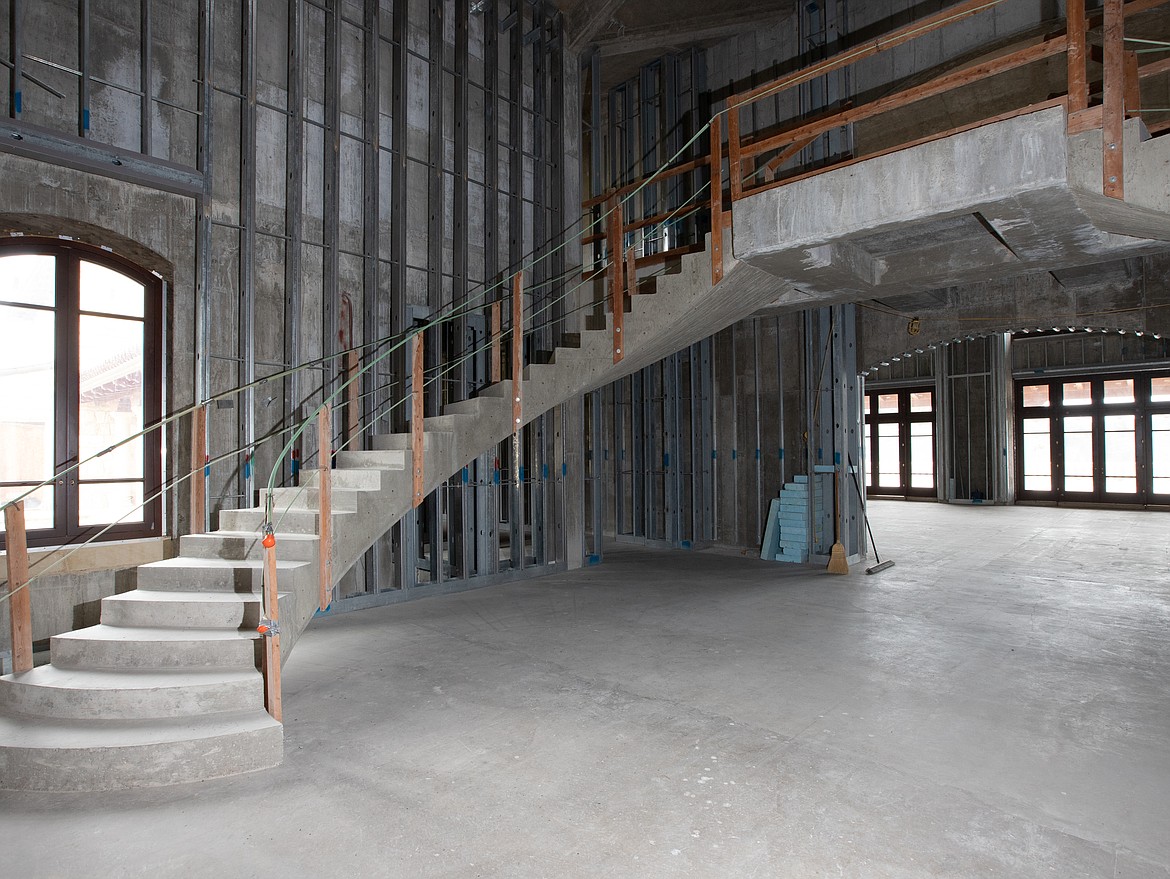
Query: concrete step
x,y
478,406
133,647
48,691
92,755
192,610
241,545
188,575
432,439
381,458
350,479
286,520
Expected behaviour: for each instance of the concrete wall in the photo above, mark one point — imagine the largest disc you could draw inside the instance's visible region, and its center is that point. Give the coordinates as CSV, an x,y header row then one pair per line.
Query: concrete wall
x,y
376,216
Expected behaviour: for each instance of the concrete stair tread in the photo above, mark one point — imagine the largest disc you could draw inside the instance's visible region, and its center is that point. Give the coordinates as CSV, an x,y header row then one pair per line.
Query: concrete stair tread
x,y
141,633
192,562
119,679
25,732
149,595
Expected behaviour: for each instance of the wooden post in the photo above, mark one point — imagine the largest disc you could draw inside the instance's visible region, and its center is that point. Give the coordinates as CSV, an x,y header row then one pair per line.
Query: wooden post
x,y
517,350
1078,84
734,160
618,305
494,330
352,399
270,631
716,201
613,242
1133,87
1113,102
198,469
325,507
416,419
19,601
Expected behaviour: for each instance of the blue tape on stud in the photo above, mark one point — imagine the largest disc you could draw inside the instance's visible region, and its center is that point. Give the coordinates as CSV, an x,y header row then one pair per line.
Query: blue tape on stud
x,y
19,100
734,452
544,472
757,454
666,461
837,458
248,467
781,454
495,477
85,119
466,476
521,474
564,469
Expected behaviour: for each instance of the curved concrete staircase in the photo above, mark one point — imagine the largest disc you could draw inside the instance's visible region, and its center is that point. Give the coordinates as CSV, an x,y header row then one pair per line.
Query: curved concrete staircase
x,y
166,688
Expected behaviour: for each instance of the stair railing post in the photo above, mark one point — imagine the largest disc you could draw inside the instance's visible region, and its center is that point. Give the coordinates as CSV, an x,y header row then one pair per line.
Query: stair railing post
x,y
325,507
494,330
269,627
199,469
621,290
352,399
613,242
1078,84
416,420
517,350
716,200
734,160
19,601
1113,101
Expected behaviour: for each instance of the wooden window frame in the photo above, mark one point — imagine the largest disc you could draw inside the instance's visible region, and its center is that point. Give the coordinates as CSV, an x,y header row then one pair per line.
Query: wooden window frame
x,y
69,255
903,418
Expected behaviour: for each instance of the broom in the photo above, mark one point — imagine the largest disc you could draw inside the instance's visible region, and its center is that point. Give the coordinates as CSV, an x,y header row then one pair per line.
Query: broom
x,y
837,562
880,566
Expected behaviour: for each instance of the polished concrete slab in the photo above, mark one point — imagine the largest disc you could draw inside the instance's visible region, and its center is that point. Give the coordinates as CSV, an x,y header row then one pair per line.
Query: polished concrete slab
x,y
994,705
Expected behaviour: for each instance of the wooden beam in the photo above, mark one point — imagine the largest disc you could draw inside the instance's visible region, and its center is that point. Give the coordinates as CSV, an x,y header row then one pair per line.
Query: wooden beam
x,y
852,55
198,469
417,450
716,157
19,601
1113,102
270,631
325,507
517,351
938,86
613,241
1078,84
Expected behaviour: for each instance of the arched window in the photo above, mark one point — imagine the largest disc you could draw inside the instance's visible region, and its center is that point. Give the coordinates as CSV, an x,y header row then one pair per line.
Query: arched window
x,y
80,370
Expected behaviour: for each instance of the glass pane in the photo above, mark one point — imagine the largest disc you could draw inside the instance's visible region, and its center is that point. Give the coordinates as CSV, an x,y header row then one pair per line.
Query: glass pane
x,y
38,506
922,401
1120,455
1078,393
1119,390
1037,455
1035,395
27,373
28,277
1160,453
889,459
922,455
868,458
1160,389
110,408
99,504
103,289
1078,454
887,403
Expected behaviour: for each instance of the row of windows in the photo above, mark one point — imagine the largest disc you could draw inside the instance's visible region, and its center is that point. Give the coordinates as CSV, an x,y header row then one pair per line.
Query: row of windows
x,y
1103,439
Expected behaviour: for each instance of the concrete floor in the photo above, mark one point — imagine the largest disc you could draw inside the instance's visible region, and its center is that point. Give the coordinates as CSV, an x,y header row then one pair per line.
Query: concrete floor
x,y
994,705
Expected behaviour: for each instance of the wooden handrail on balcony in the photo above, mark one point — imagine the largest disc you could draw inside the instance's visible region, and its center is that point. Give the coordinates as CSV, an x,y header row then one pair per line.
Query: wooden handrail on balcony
x,y
763,153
